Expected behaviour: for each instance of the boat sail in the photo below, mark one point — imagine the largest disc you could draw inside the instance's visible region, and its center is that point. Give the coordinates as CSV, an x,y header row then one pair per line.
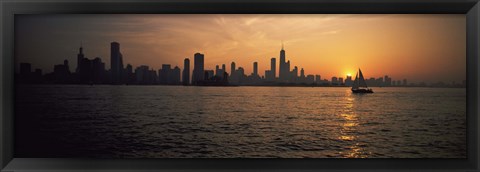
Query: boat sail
x,y
360,85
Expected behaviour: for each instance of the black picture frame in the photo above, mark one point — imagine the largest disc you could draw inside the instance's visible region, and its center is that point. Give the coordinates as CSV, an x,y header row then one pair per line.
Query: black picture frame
x,y
10,8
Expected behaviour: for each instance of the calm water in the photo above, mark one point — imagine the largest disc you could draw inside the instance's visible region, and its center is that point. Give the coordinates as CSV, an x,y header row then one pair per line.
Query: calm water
x,y
289,122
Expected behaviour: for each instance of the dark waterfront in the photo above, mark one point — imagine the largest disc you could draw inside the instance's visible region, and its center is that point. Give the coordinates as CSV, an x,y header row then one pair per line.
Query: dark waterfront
x,y
290,122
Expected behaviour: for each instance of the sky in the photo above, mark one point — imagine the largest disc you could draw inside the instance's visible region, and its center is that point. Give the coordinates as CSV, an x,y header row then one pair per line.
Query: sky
x,y
418,47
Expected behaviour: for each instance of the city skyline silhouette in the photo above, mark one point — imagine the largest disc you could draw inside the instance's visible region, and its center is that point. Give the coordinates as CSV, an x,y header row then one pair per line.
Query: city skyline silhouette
x,y
94,71
402,46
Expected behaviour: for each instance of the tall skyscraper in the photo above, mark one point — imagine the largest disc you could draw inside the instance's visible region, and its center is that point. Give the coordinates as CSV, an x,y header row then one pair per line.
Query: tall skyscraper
x,y
116,63
198,68
255,69
273,68
129,74
175,76
217,70
283,73
186,72
232,68
287,70
80,57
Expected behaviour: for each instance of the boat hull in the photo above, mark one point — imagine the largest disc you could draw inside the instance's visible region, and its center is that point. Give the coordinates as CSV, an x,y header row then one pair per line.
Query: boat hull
x,y
362,91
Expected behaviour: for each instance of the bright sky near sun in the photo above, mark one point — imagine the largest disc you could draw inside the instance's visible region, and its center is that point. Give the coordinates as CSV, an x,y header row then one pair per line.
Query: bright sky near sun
x,y
417,47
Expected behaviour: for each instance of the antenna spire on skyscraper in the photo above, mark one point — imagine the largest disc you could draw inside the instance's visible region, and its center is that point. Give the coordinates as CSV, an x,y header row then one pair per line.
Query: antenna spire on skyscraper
x,y
282,44
81,47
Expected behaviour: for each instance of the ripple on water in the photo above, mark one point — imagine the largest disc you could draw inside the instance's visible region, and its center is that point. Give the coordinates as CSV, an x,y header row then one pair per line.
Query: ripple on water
x,y
157,121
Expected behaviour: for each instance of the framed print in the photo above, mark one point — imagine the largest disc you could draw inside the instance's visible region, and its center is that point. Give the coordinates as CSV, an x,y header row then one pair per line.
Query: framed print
x,y
187,85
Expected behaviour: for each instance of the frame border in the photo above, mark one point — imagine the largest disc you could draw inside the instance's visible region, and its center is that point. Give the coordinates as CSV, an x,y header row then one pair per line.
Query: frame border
x,y
9,8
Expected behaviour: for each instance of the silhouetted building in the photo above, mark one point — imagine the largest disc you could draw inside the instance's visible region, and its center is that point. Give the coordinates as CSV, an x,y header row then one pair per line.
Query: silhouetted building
x,y
387,81
318,79
372,82
61,73
85,72
129,74
80,57
219,72
152,77
232,68
294,75
198,68
349,81
186,72
175,76
164,74
233,74
145,76
255,68
302,78
116,63
168,76
273,68
379,82
310,79
254,78
89,71
270,75
334,81
208,75
284,67
240,72
141,74
238,77
98,69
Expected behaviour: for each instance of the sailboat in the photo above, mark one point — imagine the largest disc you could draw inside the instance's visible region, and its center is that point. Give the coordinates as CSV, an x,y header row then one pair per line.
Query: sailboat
x,y
359,85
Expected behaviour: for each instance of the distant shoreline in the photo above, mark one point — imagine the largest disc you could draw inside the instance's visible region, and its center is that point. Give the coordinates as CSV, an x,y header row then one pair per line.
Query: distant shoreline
x,y
331,86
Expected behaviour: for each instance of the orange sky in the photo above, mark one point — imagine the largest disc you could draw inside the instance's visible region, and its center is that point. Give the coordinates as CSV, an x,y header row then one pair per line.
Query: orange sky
x,y
417,47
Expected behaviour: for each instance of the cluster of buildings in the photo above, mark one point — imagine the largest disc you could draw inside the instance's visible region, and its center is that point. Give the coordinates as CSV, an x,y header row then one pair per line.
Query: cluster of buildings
x,y
93,71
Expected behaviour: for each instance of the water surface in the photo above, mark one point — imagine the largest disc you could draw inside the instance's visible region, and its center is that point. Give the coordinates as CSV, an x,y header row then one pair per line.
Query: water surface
x,y
228,122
